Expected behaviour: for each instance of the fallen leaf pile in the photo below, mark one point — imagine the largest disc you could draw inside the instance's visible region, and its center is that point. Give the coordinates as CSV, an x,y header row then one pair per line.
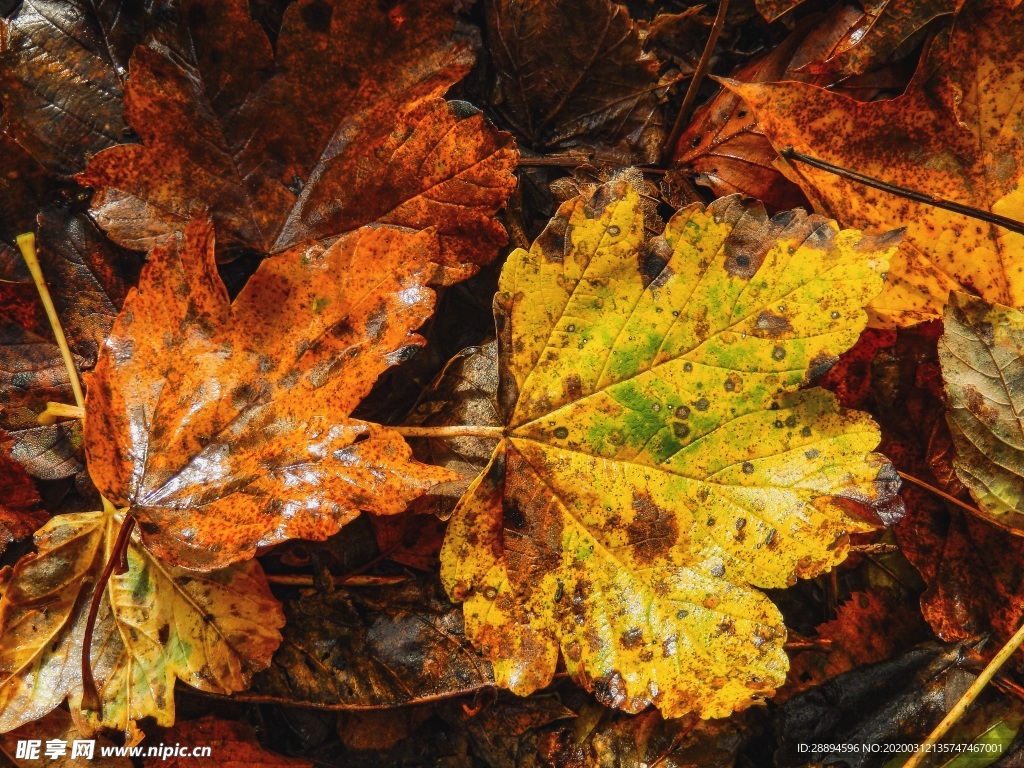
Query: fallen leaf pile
x,y
488,383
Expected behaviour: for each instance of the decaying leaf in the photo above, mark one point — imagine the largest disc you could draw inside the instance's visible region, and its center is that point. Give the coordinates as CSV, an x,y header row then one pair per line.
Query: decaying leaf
x,y
58,725
19,501
465,392
724,148
868,628
89,277
658,462
952,134
226,426
583,86
311,143
884,29
232,745
372,648
156,624
982,351
893,702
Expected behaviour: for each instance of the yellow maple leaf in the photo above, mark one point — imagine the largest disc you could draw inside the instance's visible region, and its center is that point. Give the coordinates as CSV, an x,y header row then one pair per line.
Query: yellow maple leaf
x,y
659,461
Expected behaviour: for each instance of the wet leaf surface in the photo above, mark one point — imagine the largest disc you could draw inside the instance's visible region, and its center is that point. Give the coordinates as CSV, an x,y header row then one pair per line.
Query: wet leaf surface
x,y
371,648
226,428
947,136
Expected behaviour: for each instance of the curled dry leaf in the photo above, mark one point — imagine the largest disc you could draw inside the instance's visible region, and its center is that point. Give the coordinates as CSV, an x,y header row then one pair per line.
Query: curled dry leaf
x,y
232,745
883,30
982,356
725,149
371,648
226,426
156,624
585,86
666,373
311,143
949,135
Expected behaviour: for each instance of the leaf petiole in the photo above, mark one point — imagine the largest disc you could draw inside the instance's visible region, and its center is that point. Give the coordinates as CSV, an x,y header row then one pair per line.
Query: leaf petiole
x,y
117,559
459,430
56,411
27,246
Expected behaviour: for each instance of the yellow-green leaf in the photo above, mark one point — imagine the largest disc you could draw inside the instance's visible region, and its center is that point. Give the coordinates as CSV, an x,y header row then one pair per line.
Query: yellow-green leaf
x,y
981,351
660,461
156,624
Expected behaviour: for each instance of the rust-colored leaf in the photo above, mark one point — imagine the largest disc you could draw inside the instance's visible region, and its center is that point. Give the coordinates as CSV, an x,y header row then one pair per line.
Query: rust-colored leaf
x,y
231,745
225,426
311,143
19,501
949,135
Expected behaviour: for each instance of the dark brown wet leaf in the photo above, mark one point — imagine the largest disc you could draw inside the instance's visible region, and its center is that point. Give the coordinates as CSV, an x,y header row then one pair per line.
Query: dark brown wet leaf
x,y
584,86
62,71
373,647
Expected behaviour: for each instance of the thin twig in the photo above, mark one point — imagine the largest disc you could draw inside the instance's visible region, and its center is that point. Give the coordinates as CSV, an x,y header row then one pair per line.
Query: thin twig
x,y
305,580
90,694
967,699
911,194
686,109
874,549
939,492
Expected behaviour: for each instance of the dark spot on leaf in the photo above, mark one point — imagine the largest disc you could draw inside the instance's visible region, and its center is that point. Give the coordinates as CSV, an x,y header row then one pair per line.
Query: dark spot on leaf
x,y
702,404
561,433
317,16
631,638
748,468
772,324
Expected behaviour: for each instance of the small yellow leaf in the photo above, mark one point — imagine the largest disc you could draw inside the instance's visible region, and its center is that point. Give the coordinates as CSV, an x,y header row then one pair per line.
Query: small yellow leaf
x,y
156,624
660,461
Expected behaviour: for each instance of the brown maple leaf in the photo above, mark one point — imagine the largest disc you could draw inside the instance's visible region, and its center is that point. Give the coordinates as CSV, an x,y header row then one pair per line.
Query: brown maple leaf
x,y
226,426
345,126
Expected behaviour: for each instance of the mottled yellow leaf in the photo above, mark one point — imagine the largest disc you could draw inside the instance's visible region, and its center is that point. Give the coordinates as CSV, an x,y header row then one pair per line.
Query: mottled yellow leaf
x,y
156,624
660,461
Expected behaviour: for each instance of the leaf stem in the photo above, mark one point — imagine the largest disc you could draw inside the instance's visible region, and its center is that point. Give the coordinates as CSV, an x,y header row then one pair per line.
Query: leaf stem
x,y
56,411
90,694
686,109
27,246
911,194
459,430
968,698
